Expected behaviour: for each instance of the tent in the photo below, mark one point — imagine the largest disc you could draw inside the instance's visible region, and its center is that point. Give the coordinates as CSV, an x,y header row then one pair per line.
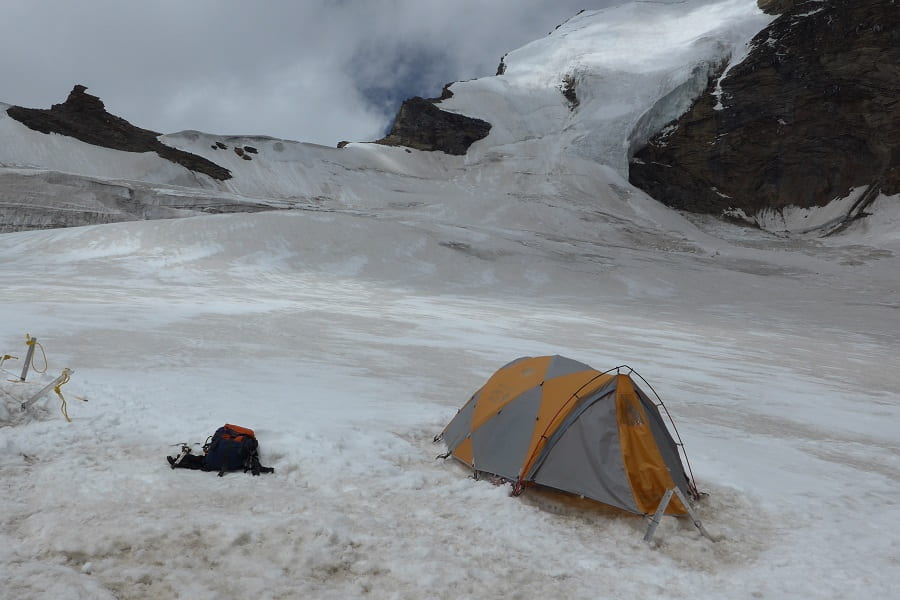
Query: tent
x,y
556,422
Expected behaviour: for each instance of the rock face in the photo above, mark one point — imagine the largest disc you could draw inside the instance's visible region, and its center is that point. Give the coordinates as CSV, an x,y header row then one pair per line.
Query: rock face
x,y
84,117
423,126
813,111
776,7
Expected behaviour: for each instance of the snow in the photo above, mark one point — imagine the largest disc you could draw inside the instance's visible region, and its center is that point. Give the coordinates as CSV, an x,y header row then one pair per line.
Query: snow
x,y
637,66
347,332
348,341
796,219
808,14
881,231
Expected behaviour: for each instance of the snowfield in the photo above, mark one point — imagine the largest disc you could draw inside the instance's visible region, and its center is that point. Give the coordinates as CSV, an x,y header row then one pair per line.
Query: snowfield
x,y
347,329
347,342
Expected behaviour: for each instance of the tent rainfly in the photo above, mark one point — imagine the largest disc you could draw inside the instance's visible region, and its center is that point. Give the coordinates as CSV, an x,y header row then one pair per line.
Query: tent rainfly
x,y
556,422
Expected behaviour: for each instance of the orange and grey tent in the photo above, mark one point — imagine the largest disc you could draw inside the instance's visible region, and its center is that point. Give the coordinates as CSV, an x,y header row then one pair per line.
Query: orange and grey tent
x,y
556,422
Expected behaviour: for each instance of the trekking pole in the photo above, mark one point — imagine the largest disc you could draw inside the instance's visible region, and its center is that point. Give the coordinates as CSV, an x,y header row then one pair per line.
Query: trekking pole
x,y
30,342
63,378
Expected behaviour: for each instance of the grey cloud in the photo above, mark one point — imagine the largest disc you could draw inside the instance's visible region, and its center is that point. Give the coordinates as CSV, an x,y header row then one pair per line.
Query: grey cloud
x,y
315,70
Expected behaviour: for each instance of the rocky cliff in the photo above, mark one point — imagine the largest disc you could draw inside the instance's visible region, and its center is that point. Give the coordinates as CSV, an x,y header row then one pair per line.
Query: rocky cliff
x,y
84,117
420,124
812,112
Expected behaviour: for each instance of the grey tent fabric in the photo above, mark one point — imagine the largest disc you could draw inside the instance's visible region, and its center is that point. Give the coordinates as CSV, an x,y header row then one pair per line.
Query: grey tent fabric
x,y
560,365
501,443
585,403
458,428
587,458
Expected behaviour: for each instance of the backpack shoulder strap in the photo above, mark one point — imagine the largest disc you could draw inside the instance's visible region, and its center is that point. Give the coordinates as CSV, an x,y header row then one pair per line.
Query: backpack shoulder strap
x,y
253,464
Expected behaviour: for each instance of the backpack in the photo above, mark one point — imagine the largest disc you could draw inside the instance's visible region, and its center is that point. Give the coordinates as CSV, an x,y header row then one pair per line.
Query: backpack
x,y
230,448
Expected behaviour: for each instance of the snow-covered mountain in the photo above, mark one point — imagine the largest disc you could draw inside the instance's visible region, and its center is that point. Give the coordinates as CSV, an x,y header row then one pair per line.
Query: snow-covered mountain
x,y
348,325
566,115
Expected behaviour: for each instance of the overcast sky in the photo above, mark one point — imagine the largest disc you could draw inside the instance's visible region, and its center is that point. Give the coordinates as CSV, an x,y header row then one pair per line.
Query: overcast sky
x,y
310,70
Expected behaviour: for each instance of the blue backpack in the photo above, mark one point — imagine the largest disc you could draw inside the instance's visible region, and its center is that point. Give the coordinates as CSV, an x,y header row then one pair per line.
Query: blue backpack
x,y
232,448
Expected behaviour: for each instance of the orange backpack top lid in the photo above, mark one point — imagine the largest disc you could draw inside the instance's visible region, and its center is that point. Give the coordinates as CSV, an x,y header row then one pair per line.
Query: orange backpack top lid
x,y
240,430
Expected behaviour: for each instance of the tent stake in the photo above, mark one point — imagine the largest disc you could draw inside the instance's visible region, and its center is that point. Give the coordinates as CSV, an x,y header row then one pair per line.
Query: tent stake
x,y
657,516
661,509
693,517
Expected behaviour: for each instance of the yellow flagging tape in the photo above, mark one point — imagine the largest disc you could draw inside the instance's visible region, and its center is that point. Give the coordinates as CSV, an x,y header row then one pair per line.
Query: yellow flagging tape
x,y
62,406
56,386
30,341
5,358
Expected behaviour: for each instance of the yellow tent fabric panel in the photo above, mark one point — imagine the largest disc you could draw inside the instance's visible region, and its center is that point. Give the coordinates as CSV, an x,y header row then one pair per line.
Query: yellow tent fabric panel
x,y
644,464
506,385
464,452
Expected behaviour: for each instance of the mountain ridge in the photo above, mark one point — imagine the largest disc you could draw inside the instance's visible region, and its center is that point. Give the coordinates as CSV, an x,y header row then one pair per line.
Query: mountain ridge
x,y
84,117
565,123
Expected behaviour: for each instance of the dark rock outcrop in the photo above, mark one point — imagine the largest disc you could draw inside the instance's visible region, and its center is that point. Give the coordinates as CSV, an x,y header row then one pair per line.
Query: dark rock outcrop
x,y
501,68
813,111
775,7
423,126
567,87
84,117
